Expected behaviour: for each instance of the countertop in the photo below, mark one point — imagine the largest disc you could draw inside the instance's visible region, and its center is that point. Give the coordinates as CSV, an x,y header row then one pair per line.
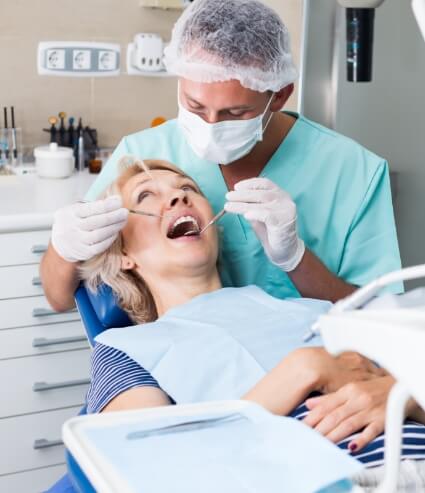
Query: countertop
x,y
28,202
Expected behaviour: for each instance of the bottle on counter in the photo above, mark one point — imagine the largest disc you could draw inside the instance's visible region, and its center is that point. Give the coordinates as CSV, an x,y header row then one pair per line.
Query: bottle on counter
x,y
81,153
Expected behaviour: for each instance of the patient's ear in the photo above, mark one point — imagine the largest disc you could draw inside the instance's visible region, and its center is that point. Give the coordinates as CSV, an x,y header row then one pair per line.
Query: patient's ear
x,y
127,263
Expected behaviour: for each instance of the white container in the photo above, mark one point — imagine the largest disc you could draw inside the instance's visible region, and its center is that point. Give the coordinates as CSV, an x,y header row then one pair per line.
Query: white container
x,y
53,161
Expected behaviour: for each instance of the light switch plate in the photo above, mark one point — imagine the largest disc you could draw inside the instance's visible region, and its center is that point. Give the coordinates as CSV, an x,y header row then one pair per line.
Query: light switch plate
x,y
78,58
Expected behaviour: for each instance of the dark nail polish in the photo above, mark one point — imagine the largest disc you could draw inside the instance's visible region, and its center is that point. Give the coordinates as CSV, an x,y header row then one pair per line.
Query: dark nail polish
x,y
353,447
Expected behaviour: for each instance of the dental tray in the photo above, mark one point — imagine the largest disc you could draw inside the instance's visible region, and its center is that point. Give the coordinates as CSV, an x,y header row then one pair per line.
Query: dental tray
x,y
208,447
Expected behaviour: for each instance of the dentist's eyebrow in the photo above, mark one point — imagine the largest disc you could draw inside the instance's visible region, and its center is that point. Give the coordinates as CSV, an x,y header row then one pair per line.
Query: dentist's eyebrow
x,y
238,107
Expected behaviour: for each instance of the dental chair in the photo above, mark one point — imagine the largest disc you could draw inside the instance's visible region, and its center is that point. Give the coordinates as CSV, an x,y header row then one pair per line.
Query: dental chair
x,y
98,311
363,332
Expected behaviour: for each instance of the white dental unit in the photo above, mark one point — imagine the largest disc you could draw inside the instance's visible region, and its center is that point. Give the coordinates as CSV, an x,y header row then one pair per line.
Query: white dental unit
x,y
392,336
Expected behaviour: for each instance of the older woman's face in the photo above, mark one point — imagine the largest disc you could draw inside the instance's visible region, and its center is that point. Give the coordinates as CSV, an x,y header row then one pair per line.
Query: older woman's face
x,y
172,243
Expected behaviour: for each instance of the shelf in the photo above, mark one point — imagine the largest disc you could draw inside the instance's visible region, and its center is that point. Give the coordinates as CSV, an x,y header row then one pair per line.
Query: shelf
x,y
161,73
164,4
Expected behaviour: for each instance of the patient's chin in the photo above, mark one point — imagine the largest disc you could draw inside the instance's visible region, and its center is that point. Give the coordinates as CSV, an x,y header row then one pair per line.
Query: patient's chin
x,y
195,256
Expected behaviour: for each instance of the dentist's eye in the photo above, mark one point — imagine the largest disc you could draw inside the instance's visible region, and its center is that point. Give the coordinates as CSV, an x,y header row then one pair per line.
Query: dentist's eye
x,y
237,113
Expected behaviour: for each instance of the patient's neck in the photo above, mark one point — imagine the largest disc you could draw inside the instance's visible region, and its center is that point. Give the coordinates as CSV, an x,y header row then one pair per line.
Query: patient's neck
x,y
172,291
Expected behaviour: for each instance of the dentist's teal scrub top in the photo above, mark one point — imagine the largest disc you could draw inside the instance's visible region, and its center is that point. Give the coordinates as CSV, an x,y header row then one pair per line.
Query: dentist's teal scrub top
x,y
342,192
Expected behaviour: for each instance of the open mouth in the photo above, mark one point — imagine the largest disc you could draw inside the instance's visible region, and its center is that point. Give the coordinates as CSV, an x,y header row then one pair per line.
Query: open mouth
x,y
184,226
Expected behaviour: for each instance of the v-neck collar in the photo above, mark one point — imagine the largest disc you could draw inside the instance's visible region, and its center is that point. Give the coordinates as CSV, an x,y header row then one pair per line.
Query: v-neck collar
x,y
282,160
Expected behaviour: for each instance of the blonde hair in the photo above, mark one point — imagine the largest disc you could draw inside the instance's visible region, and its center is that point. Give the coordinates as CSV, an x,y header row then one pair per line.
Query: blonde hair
x,y
130,289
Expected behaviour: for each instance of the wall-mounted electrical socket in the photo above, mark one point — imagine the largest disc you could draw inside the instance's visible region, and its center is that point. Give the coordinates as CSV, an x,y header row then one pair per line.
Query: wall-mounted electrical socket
x,y
81,59
78,58
107,60
55,59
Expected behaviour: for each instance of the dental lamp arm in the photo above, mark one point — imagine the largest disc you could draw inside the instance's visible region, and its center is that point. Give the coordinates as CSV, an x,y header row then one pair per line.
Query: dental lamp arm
x,y
418,7
361,4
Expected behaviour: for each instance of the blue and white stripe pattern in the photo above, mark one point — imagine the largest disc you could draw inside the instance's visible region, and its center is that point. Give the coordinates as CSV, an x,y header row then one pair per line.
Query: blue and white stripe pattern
x,y
113,372
372,455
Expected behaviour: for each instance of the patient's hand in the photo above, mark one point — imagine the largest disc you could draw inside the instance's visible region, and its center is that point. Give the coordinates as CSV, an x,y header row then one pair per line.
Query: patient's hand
x,y
341,370
354,407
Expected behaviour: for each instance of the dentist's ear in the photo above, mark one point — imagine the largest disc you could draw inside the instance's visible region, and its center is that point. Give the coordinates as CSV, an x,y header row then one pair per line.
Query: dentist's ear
x,y
127,263
281,97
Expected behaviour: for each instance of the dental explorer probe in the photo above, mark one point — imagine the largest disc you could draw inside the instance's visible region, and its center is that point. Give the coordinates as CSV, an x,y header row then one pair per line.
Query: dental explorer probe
x,y
133,211
213,220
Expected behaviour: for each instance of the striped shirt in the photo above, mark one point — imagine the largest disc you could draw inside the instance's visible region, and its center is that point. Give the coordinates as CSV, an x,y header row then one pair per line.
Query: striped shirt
x,y
372,454
113,372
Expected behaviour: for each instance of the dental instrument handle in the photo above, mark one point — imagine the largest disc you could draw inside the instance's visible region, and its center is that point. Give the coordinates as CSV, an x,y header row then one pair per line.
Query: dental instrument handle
x,y
133,211
143,213
81,153
6,150
213,220
14,148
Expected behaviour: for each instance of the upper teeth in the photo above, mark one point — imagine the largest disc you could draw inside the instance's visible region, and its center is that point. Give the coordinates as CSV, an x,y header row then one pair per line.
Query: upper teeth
x,y
185,219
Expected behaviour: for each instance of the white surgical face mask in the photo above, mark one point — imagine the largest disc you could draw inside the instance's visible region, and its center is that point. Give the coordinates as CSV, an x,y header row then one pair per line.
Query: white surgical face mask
x,y
223,142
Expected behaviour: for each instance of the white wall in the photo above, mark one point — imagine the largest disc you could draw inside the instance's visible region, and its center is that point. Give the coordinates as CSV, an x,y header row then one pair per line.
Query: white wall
x,y
116,106
387,116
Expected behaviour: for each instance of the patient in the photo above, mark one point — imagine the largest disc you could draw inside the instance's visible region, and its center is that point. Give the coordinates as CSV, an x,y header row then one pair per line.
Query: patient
x,y
160,263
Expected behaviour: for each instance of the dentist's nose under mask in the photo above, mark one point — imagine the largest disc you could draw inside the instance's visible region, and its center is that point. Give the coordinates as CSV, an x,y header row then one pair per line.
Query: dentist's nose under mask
x,y
222,142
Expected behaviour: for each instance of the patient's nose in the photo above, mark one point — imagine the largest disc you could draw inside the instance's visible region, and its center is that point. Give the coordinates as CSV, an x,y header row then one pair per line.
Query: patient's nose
x,y
179,197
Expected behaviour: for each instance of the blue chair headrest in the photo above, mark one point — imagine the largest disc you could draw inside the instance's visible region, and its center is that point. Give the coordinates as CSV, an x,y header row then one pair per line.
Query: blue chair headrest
x,y
107,308
99,311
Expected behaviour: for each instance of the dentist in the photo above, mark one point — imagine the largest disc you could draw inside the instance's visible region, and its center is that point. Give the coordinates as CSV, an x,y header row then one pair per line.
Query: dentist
x,y
310,211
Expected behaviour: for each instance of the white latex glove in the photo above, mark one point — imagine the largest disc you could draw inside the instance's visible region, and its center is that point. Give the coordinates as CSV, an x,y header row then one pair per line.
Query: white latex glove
x,y
82,230
273,216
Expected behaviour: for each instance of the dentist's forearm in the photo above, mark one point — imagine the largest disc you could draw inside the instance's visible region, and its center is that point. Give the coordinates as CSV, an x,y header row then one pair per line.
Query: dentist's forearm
x,y
415,412
59,279
313,280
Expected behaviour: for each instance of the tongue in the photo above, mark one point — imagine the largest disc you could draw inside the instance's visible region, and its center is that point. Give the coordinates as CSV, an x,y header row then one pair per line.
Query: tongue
x,y
183,229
